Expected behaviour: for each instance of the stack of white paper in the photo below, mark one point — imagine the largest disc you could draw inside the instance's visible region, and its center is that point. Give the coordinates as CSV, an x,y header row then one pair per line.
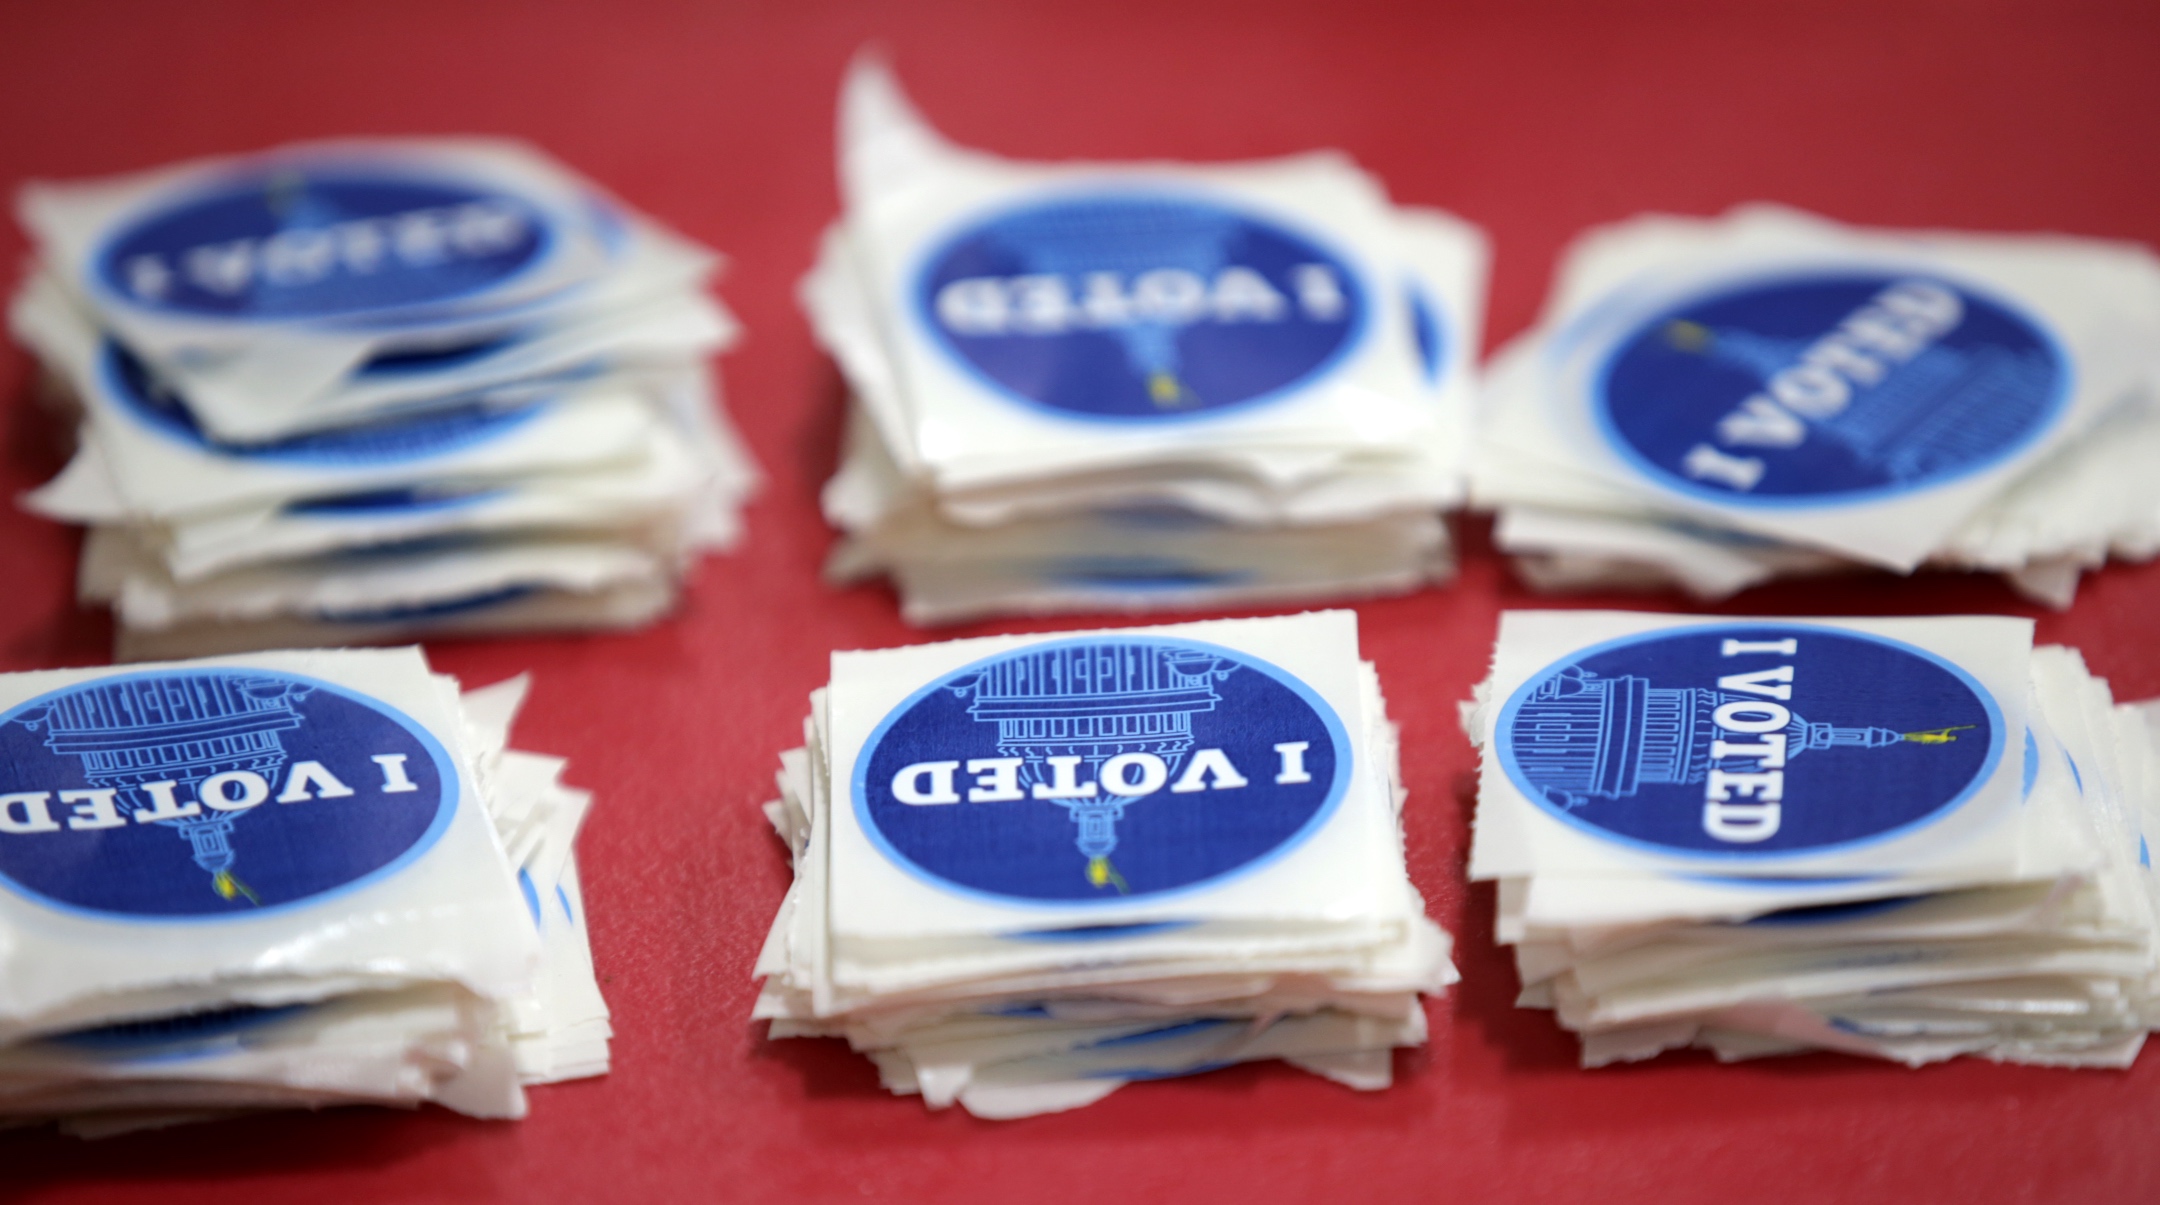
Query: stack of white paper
x,y
1136,386
1905,838
349,392
1711,403
280,880
1031,869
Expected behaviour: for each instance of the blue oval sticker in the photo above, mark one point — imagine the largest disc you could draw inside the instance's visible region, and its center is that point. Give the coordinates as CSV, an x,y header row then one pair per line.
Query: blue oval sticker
x,y
1750,740
1829,388
1101,770
291,242
193,794
1134,306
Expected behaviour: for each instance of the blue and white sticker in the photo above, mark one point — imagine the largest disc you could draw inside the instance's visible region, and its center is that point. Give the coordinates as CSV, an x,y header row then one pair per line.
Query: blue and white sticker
x,y
212,793
319,242
1750,740
392,440
1101,770
1136,306
1831,387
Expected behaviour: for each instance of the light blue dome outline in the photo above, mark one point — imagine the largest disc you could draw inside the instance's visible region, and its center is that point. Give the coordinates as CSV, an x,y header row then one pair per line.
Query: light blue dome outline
x,y
446,808
1355,278
1599,400
1345,755
1504,746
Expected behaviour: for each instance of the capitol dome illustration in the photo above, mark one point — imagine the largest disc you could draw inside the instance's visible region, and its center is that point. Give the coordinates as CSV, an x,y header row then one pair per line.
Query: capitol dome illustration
x,y
182,729
1582,736
1130,238
1933,414
1095,701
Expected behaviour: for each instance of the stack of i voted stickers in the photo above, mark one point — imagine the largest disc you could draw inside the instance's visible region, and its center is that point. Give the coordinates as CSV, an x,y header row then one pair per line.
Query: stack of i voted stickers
x,y
1711,403
1136,386
1031,869
277,881
1905,838
352,392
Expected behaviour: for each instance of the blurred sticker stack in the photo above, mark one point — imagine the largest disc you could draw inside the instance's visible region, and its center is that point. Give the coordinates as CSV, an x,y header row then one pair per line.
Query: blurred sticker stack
x,y
282,880
352,392
1031,869
1136,386
1711,403
1904,838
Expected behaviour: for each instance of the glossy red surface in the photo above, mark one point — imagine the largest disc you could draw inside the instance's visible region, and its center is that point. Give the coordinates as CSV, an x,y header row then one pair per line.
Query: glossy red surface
x,y
1534,119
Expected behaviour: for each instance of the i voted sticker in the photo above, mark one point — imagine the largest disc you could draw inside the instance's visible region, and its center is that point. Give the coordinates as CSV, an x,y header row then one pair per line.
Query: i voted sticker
x,y
1829,388
1750,740
294,241
153,404
194,794
1140,306
1101,770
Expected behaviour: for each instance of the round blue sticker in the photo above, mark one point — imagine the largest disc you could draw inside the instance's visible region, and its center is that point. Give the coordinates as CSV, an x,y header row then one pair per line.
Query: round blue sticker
x,y
1101,769
190,794
1829,388
1750,740
434,432
292,241
1140,306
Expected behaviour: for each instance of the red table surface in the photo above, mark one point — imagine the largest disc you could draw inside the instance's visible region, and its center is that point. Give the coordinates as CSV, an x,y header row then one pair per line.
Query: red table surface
x,y
1532,119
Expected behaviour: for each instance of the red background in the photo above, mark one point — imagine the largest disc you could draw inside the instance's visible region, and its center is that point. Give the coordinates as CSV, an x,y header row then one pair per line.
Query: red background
x,y
1533,119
